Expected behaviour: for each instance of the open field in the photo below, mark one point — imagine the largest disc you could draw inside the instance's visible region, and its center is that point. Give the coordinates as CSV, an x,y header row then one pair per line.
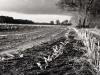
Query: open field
x,y
59,56
27,36
50,50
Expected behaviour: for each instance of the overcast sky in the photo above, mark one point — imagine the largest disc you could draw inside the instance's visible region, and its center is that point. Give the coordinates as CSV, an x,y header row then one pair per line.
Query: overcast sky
x,y
30,6
28,9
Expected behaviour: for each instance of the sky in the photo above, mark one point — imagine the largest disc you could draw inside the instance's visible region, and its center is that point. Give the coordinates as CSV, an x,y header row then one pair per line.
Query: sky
x,y
32,9
30,6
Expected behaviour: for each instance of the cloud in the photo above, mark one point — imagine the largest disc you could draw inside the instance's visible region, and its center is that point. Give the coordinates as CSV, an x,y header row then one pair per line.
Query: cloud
x,y
30,6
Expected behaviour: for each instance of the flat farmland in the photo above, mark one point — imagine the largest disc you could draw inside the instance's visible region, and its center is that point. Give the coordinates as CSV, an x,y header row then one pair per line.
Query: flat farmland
x,y
66,55
22,37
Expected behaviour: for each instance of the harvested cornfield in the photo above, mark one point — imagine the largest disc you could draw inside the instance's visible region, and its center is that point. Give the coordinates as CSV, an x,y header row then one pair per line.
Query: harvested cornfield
x,y
63,56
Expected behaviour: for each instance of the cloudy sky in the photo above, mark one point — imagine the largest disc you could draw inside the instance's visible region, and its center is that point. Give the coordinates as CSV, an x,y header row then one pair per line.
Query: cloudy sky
x,y
30,8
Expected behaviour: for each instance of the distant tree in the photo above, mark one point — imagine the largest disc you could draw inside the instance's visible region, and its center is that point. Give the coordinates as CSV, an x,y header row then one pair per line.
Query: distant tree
x,y
20,21
11,20
65,22
85,8
57,22
52,22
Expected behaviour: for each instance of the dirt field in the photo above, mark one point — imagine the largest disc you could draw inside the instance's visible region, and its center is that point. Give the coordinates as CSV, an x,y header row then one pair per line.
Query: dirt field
x,y
28,36
65,56
44,50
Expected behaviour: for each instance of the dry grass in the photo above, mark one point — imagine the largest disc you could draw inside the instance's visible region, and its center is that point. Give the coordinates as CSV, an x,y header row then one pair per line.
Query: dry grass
x,y
92,45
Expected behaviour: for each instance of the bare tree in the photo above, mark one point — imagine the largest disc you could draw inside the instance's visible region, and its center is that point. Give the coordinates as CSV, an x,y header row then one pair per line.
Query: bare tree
x,y
83,7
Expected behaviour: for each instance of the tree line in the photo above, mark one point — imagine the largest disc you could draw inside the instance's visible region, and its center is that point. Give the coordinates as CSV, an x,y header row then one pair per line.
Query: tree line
x,y
11,20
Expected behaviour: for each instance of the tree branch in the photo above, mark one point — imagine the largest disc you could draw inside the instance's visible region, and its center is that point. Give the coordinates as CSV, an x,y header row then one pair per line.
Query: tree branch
x,y
90,4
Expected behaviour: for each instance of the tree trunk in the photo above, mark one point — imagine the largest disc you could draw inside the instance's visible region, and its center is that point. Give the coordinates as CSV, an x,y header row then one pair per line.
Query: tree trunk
x,y
84,21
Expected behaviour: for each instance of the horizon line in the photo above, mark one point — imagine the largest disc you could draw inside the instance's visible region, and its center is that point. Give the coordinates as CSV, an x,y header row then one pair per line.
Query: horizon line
x,y
36,17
